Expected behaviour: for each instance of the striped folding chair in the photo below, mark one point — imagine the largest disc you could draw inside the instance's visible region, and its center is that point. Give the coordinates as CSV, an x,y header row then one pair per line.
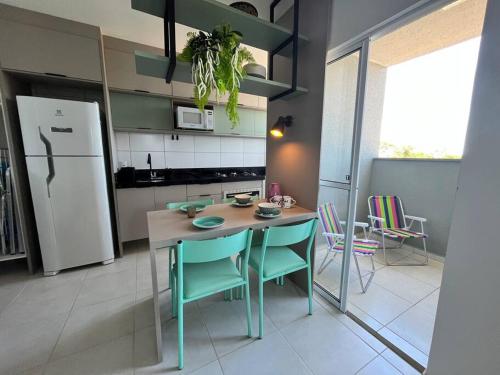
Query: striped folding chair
x,y
389,221
334,235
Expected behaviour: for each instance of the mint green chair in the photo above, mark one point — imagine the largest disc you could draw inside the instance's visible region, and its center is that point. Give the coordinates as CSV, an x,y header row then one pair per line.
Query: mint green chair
x,y
204,268
274,259
176,205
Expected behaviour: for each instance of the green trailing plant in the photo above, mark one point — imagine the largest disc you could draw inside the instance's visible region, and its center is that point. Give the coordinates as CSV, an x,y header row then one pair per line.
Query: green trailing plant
x,y
217,61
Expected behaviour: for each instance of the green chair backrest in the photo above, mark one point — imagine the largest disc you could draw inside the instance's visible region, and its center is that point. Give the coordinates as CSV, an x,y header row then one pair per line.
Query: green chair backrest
x,y
176,205
215,249
290,234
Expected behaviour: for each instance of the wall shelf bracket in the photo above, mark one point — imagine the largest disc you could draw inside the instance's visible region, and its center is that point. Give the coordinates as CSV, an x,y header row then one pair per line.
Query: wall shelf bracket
x,y
294,41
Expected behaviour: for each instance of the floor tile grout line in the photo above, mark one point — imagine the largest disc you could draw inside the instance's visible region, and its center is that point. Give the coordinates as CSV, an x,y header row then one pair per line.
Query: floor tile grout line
x,y
349,328
14,299
297,353
378,356
66,322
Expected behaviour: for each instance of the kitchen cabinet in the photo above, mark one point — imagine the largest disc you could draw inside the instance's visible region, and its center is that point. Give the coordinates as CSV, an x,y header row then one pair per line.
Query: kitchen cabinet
x,y
120,68
248,100
262,103
224,126
168,194
203,190
260,127
136,111
216,197
34,49
133,204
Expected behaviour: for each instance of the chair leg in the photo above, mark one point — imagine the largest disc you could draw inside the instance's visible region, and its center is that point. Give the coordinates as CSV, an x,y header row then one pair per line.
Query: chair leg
x,y
322,266
261,308
309,288
425,251
174,296
249,309
364,287
180,326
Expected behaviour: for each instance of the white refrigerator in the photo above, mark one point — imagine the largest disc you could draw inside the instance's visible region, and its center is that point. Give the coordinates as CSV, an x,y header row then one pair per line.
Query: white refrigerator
x,y
64,156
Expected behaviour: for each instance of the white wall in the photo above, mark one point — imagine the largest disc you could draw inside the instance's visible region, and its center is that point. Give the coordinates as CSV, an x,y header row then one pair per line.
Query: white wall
x,y
190,151
467,330
427,188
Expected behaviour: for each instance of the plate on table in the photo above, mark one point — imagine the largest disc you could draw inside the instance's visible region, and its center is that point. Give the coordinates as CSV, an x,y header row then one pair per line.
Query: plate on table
x,y
199,207
208,222
267,216
248,204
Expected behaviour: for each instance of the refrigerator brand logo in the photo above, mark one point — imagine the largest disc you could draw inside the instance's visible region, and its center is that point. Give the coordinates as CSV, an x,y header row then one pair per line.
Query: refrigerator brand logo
x,y
59,112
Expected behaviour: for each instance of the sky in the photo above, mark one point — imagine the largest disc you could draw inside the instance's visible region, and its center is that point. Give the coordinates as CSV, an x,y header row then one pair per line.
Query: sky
x,y
427,100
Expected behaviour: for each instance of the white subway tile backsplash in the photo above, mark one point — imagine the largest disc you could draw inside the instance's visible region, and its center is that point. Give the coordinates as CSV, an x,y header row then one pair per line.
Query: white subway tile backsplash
x,y
206,143
139,160
179,159
207,160
185,143
254,145
146,142
230,144
254,159
231,159
122,141
190,151
123,159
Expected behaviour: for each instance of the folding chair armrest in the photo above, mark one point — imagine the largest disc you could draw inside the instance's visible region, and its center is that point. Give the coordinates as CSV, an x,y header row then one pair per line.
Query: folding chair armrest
x,y
361,224
376,218
339,236
421,219
356,224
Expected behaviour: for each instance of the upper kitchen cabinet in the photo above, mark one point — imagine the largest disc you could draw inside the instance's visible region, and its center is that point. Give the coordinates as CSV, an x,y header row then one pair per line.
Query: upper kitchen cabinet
x,y
120,68
260,128
224,127
139,111
39,43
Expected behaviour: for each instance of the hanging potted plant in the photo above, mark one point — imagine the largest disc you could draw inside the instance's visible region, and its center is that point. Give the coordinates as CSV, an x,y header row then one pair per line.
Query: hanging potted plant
x,y
217,60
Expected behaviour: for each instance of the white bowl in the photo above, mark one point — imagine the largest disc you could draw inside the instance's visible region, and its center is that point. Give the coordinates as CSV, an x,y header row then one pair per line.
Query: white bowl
x,y
269,208
242,198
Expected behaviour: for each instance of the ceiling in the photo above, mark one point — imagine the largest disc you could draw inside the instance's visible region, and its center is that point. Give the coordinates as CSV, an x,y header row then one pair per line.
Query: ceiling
x,y
443,28
116,17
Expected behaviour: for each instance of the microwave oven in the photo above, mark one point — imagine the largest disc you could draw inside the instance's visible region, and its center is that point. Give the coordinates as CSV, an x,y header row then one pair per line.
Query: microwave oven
x,y
192,119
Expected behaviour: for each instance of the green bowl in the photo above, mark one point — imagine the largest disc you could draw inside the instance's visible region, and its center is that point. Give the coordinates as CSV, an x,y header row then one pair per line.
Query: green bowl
x,y
199,207
208,222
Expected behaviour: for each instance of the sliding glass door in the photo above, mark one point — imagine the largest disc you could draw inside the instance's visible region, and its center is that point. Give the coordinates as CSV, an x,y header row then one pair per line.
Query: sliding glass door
x,y
342,116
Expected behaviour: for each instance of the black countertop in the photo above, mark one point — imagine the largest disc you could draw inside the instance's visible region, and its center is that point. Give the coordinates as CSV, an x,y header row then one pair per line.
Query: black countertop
x,y
131,178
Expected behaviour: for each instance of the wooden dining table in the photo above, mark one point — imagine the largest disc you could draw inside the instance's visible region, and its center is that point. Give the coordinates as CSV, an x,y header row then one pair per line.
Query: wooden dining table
x,y
167,227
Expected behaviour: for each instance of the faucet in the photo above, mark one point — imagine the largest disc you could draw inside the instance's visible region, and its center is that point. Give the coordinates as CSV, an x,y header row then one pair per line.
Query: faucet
x,y
151,174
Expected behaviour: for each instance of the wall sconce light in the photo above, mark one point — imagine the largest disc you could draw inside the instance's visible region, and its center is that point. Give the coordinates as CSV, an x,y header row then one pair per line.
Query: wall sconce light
x,y
278,128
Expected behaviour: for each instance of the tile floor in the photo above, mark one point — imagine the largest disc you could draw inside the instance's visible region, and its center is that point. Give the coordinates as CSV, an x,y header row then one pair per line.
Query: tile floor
x,y
99,320
400,303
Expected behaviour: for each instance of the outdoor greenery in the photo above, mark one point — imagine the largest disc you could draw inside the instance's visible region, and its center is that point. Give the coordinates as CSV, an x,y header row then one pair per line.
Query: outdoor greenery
x,y
217,61
389,150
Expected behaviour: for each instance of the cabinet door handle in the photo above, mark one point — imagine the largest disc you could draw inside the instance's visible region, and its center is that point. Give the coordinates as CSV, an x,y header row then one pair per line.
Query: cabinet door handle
x,y
144,91
204,195
56,74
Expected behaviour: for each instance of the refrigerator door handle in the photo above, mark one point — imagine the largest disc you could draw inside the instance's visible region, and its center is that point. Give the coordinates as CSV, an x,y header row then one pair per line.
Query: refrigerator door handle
x,y
50,160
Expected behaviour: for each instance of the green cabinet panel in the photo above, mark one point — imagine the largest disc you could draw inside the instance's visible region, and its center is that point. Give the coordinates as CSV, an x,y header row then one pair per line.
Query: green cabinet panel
x,y
224,126
260,123
135,111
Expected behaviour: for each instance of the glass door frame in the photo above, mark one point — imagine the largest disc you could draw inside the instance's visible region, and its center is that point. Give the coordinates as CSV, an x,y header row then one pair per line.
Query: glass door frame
x,y
363,48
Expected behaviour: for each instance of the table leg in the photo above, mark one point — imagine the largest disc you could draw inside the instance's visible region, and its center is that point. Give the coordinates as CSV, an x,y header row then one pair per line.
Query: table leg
x,y
156,301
